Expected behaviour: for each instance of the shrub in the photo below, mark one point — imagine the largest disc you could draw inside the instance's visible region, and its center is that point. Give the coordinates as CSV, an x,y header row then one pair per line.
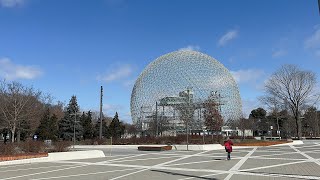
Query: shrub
x,y
30,146
8,149
61,146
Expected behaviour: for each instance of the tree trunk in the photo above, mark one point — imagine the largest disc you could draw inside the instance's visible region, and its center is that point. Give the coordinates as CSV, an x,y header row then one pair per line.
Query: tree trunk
x,y
18,136
13,130
298,127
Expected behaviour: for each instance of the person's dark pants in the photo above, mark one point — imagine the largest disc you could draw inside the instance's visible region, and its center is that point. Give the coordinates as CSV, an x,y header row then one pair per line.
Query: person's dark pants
x,y
229,156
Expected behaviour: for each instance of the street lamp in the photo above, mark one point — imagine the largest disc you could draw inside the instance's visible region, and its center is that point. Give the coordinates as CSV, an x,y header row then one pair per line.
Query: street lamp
x,y
203,132
278,130
74,127
188,116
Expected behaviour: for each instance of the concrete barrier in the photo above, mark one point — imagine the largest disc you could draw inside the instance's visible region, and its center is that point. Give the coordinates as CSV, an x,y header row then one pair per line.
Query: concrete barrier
x,y
178,147
295,142
59,156
200,147
113,146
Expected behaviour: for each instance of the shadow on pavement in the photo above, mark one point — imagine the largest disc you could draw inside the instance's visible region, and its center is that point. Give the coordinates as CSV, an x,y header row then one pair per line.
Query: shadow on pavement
x,y
277,174
186,175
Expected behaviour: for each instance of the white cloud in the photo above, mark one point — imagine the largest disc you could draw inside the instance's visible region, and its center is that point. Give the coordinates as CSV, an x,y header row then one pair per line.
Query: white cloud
x,y
232,34
11,71
111,109
278,53
248,75
120,72
191,48
11,3
248,105
313,42
129,83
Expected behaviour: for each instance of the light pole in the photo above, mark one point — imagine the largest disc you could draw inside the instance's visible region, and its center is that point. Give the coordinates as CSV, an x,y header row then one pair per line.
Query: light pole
x,y
157,130
74,127
203,131
100,128
278,130
188,118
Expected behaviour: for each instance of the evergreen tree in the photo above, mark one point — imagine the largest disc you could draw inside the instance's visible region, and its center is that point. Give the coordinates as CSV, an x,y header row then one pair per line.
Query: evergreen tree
x,y
86,122
116,127
70,121
48,126
260,125
105,129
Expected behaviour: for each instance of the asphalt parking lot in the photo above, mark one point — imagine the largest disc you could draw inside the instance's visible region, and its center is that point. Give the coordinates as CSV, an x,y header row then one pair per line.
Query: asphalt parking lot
x,y
283,162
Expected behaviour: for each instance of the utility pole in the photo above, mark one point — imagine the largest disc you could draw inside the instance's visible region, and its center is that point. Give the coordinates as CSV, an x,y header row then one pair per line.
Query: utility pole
x,y
188,116
100,130
278,130
74,129
157,130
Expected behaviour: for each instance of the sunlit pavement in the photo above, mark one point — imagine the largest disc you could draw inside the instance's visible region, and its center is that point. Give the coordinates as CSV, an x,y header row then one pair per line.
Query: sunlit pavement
x,y
283,162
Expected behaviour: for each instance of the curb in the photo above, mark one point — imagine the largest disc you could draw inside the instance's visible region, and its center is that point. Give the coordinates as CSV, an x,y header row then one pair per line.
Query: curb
x,y
22,156
295,142
178,147
60,156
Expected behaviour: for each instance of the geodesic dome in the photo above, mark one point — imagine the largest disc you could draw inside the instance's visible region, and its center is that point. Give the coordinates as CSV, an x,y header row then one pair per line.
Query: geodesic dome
x,y
184,77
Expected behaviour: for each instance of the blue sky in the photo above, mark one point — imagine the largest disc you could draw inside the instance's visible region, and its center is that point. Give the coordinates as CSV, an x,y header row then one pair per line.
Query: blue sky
x,y
67,47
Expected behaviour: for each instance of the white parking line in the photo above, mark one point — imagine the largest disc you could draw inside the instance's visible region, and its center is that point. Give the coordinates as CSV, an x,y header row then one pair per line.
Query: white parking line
x,y
240,163
167,166
43,172
271,166
26,169
158,165
305,155
87,174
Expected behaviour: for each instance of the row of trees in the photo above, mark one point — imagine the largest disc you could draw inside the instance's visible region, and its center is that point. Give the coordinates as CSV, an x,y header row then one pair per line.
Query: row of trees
x,y
292,90
290,96
281,123
75,124
25,111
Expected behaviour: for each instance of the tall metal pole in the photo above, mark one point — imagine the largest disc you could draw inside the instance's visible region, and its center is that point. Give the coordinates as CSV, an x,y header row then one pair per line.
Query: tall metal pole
x,y
188,116
157,131
278,130
100,131
74,129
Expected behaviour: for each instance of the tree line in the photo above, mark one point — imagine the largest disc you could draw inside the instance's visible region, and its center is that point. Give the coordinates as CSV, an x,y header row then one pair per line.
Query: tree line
x,y
25,112
291,97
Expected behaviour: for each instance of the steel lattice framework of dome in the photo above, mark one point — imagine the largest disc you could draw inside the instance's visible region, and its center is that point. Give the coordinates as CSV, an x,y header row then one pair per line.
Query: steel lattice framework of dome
x,y
184,79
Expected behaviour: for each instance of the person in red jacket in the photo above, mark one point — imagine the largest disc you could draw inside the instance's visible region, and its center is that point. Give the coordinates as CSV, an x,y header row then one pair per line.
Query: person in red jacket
x,y
228,146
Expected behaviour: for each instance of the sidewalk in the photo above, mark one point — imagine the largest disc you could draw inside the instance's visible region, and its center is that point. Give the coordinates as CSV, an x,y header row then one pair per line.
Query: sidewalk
x,y
59,156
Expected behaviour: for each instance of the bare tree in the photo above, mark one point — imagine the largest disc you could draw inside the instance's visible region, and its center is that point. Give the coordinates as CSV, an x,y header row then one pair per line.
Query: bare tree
x,y
244,124
292,86
20,108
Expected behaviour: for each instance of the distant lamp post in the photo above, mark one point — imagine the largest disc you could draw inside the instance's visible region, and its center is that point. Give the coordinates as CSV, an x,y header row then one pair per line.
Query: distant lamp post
x,y
278,129
100,128
203,132
74,127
